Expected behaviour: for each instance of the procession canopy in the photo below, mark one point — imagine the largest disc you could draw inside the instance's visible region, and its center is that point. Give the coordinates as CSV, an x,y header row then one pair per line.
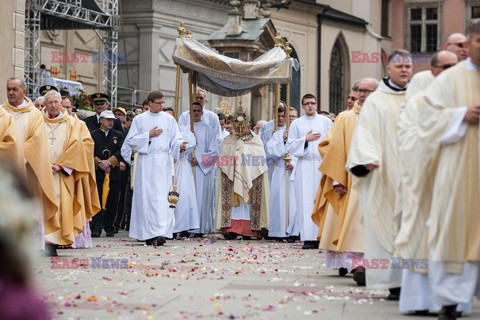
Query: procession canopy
x,y
226,76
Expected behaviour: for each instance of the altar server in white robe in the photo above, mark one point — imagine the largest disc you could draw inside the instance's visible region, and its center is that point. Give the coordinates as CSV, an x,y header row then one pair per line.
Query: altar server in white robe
x,y
155,136
451,116
281,222
305,134
204,164
266,132
411,242
186,211
374,157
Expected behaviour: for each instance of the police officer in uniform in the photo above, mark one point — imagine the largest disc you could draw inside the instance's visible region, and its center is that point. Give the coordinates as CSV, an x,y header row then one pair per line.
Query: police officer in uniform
x,y
44,89
108,143
100,103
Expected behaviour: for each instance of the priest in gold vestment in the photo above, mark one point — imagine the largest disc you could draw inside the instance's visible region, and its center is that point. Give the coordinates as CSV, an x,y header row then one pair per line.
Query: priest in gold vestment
x,y
450,127
34,146
69,165
243,192
336,210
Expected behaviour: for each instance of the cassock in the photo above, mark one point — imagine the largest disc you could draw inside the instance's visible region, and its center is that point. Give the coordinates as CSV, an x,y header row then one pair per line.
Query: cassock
x,y
453,224
186,211
338,217
33,141
87,189
67,151
10,147
266,133
282,222
420,81
416,187
242,187
306,174
374,141
151,216
206,152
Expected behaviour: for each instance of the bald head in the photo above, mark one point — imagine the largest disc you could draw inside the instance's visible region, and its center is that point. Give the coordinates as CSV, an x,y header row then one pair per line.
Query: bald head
x,y
457,43
365,87
442,60
258,125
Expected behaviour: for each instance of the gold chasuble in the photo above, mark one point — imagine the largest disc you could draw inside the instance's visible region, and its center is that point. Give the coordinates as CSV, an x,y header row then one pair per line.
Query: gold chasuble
x,y
454,170
10,148
242,178
344,231
66,150
86,188
33,142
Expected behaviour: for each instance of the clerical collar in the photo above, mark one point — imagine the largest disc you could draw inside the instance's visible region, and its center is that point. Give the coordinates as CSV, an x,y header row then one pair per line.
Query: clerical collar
x,y
52,117
470,65
23,104
393,86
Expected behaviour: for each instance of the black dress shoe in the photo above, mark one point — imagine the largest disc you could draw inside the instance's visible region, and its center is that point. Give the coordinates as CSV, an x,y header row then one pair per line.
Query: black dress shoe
x,y
160,241
292,239
184,234
96,234
51,249
111,234
359,277
230,236
310,245
448,313
151,242
198,235
246,238
394,294
342,272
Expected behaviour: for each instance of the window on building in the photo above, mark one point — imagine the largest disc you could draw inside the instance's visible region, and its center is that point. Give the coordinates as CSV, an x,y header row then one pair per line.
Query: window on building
x,y
475,12
423,34
384,26
337,74
472,12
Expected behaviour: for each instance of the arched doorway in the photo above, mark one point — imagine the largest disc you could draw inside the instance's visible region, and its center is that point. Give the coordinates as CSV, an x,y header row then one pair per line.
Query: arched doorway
x,y
339,76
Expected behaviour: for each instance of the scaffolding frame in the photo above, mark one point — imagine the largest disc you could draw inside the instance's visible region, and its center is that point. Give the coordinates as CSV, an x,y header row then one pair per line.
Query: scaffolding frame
x,y
71,14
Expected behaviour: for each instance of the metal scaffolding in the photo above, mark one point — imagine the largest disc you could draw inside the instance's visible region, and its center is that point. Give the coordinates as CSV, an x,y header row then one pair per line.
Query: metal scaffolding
x,y
69,15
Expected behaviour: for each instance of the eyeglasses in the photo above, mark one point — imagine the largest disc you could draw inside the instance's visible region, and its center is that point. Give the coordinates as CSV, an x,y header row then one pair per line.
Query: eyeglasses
x,y
364,91
197,110
458,44
445,66
158,102
100,103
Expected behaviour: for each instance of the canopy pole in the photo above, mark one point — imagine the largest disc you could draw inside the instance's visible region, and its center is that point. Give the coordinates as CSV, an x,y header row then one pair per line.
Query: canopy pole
x,y
181,33
190,94
277,104
287,158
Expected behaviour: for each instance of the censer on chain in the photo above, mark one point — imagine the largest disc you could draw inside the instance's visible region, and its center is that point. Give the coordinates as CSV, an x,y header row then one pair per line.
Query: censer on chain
x,y
173,195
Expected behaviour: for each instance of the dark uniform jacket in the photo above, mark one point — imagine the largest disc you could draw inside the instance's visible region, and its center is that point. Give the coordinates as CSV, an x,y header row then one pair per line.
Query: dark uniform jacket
x,y
92,123
108,148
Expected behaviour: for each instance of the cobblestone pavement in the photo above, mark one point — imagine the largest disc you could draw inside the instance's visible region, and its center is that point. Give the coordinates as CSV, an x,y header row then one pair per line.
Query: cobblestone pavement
x,y
208,278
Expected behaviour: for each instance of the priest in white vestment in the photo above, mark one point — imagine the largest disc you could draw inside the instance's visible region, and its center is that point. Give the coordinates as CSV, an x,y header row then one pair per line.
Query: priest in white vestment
x,y
155,136
411,241
203,163
282,221
451,115
305,134
373,156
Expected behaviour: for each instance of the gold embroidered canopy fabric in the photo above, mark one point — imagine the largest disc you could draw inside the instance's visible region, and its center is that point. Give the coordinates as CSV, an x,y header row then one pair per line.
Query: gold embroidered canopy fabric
x,y
226,76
